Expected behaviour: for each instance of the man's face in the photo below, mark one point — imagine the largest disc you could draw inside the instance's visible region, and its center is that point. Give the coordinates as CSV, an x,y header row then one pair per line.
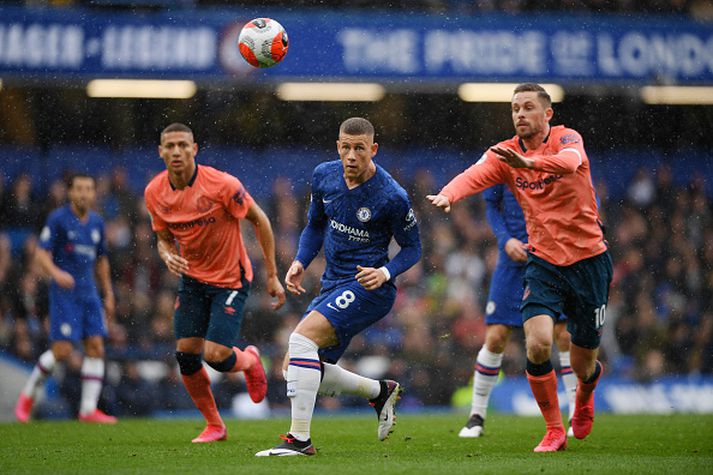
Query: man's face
x,y
178,151
529,115
82,193
356,152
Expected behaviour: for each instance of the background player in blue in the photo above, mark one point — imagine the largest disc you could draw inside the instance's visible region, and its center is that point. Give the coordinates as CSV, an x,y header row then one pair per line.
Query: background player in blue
x,y
70,251
502,312
356,207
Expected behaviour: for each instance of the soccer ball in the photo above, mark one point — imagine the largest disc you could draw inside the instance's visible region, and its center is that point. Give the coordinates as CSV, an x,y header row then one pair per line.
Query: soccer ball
x,y
263,42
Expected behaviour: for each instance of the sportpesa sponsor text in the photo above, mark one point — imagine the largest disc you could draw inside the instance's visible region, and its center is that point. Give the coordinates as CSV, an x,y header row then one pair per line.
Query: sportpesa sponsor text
x,y
536,185
190,224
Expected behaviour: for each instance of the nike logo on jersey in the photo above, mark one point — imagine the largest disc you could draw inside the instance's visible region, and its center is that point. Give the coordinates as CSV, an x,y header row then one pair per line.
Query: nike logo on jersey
x,y
326,201
332,307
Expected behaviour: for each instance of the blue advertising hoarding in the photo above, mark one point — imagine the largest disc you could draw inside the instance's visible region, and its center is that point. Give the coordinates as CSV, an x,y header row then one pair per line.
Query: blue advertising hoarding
x,y
51,44
666,395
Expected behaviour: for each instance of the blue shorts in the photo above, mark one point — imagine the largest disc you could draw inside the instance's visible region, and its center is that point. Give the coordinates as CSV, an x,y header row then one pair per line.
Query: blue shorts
x,y
75,315
580,290
350,308
505,296
506,287
206,311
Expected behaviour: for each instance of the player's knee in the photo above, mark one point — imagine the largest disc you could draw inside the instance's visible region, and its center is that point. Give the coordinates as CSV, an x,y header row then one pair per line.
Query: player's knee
x,y
496,345
539,351
188,363
94,350
563,341
62,350
215,355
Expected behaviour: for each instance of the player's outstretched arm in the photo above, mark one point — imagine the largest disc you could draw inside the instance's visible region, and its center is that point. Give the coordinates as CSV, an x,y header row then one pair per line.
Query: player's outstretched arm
x,y
440,201
293,279
266,238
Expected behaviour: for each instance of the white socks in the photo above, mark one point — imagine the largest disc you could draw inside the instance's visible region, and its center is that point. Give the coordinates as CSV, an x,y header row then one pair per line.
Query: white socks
x,y
92,376
42,369
569,379
487,369
303,379
337,380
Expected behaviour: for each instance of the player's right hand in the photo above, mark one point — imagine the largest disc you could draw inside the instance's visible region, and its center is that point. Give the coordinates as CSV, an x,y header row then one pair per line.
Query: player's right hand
x,y
274,288
293,279
515,249
511,157
440,201
64,279
176,264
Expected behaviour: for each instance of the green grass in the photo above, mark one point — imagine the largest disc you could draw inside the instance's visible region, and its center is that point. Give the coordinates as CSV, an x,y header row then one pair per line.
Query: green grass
x,y
421,444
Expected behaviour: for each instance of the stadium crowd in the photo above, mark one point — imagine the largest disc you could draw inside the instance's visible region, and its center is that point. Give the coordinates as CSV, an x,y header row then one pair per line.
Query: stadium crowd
x,y
659,319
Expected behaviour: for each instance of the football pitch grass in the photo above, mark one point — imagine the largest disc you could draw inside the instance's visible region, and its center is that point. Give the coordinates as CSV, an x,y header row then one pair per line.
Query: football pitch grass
x,y
421,444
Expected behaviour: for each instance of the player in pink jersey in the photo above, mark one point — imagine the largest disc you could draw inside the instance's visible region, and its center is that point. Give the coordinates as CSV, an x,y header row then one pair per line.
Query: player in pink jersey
x,y
569,269
196,212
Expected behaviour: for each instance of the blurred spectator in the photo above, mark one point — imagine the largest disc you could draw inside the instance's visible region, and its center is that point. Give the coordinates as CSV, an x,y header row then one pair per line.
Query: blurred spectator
x,y
642,190
19,209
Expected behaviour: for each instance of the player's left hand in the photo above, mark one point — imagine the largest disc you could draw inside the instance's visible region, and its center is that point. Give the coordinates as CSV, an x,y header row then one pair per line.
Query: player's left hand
x,y
275,289
440,201
370,277
511,157
176,264
516,250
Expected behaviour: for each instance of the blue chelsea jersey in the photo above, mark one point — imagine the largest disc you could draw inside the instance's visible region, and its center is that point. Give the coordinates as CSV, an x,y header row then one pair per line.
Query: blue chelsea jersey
x,y
358,224
75,245
506,219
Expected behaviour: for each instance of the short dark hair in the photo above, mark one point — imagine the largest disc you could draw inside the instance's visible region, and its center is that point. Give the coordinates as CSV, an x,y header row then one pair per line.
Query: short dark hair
x,y
532,87
356,126
71,178
177,127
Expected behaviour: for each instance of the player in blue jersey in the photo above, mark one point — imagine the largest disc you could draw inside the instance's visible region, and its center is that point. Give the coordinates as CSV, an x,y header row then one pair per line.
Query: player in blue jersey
x,y
502,312
356,208
71,249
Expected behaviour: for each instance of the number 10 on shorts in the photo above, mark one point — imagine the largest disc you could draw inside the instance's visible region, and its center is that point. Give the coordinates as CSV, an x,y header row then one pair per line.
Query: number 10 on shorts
x,y
600,316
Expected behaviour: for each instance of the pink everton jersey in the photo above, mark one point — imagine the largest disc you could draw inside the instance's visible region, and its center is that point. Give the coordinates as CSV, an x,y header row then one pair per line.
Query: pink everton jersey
x,y
556,196
204,218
